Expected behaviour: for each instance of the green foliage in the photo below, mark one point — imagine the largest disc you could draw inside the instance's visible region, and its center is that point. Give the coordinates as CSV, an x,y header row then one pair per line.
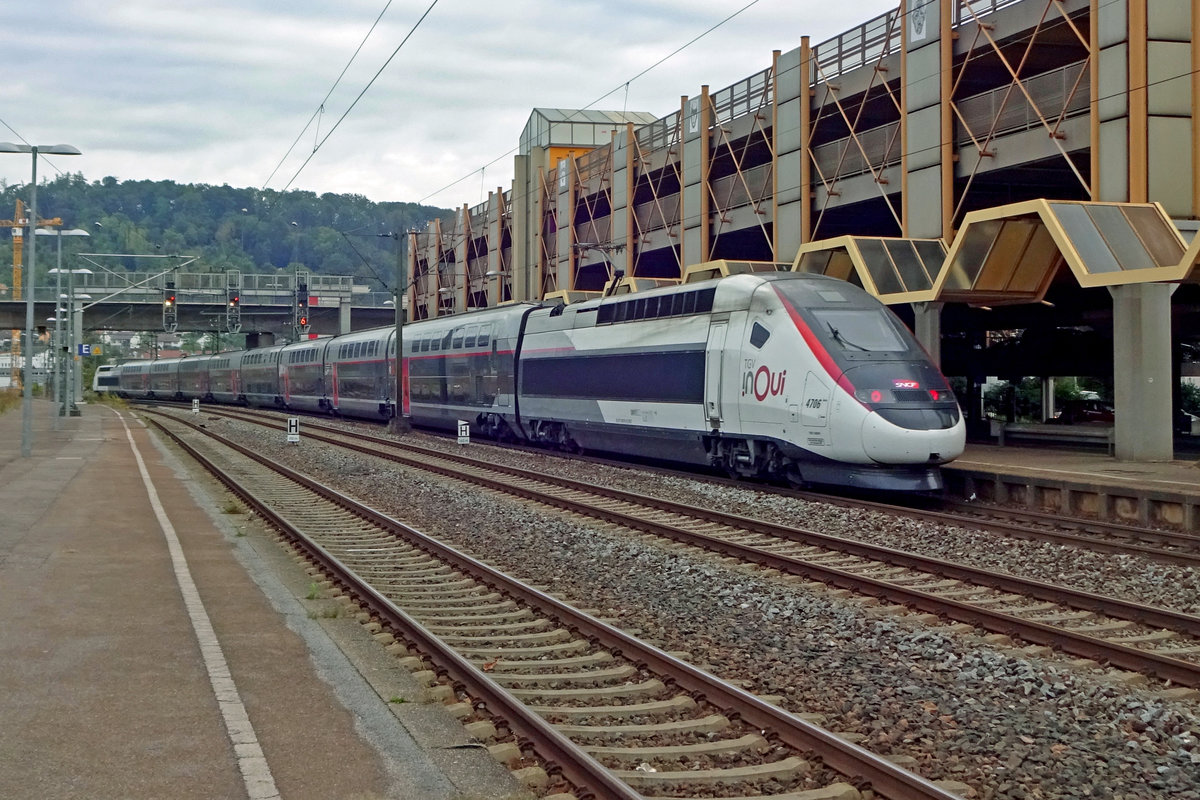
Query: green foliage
x,y
246,229
1190,397
1023,400
10,398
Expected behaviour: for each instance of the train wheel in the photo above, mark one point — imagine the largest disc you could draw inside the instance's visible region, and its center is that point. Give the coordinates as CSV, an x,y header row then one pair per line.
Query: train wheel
x,y
794,478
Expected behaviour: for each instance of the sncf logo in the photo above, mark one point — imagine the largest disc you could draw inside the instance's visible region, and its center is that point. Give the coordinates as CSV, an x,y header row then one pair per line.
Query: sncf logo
x,y
763,383
906,384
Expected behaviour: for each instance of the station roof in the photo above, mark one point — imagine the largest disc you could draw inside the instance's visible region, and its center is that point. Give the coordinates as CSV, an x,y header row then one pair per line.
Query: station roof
x,y
893,269
1010,254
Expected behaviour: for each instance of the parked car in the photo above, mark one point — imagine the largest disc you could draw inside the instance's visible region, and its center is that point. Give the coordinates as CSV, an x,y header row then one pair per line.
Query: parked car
x,y
1078,412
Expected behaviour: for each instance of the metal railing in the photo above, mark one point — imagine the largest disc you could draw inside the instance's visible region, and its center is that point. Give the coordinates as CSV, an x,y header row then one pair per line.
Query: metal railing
x,y
859,46
1051,92
1010,111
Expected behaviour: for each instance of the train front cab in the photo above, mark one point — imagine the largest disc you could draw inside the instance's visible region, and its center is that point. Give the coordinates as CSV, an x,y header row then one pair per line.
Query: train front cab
x,y
861,403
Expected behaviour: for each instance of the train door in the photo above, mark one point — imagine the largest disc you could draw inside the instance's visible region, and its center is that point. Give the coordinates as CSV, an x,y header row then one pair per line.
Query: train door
x,y
714,358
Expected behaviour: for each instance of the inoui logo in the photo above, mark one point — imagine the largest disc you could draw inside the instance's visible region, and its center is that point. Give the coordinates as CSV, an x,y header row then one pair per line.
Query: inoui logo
x,y
763,383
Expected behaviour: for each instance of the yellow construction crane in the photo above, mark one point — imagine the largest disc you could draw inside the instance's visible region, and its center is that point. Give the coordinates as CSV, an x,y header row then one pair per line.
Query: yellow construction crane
x,y
18,223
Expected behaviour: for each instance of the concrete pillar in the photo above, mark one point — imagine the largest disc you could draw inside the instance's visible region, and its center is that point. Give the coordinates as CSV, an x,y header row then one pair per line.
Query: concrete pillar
x,y
694,200
1142,377
793,103
928,145
343,315
523,263
927,327
1048,409
1143,145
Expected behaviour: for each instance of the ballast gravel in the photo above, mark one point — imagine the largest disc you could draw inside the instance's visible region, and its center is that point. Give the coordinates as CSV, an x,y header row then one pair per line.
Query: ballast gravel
x,y
945,704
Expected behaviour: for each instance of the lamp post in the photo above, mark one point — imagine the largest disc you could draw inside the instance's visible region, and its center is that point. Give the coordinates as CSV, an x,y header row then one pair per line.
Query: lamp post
x,y
399,423
60,409
74,334
31,283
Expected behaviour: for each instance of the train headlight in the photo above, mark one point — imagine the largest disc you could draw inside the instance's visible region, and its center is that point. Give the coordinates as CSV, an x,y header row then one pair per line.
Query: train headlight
x,y
874,396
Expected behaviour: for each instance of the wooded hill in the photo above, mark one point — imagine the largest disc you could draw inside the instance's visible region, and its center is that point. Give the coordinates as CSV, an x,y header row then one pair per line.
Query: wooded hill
x,y
252,230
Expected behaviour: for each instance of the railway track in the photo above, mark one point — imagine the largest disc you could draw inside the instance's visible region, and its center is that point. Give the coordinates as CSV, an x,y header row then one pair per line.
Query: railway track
x,y
1175,547
1131,636
609,715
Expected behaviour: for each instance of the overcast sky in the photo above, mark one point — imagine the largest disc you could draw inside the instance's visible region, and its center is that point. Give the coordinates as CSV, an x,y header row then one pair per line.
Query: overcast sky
x,y
216,92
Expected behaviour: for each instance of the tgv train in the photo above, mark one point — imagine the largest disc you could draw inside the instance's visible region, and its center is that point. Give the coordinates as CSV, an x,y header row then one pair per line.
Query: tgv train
x,y
779,375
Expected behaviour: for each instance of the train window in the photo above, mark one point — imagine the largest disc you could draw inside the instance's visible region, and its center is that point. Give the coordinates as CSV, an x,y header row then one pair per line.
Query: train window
x,y
860,329
435,343
485,335
759,335
469,336
446,340
458,338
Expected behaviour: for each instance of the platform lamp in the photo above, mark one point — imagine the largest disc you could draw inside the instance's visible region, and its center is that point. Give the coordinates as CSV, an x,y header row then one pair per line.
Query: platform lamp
x,y
59,388
27,401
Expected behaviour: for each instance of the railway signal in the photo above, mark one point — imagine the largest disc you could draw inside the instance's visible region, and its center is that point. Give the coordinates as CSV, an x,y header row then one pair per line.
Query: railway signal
x,y
233,310
170,309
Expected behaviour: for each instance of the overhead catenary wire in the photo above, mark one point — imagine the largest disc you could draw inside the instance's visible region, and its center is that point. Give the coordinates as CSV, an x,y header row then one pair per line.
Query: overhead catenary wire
x,y
609,93
321,106
365,89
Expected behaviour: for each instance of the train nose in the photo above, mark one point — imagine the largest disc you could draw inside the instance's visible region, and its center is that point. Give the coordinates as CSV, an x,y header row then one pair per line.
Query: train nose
x,y
886,443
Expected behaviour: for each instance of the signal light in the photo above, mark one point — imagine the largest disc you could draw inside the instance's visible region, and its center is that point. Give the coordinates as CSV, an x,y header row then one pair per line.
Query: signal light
x,y
304,321
169,300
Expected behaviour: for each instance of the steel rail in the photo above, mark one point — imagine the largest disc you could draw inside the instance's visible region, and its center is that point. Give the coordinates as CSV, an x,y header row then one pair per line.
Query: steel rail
x,y
1088,601
560,754
885,778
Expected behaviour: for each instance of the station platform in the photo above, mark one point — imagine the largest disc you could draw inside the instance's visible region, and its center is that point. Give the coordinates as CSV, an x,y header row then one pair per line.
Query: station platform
x,y
1079,481
152,646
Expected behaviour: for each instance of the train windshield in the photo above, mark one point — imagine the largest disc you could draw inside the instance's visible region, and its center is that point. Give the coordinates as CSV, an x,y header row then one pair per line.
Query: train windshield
x,y
862,330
